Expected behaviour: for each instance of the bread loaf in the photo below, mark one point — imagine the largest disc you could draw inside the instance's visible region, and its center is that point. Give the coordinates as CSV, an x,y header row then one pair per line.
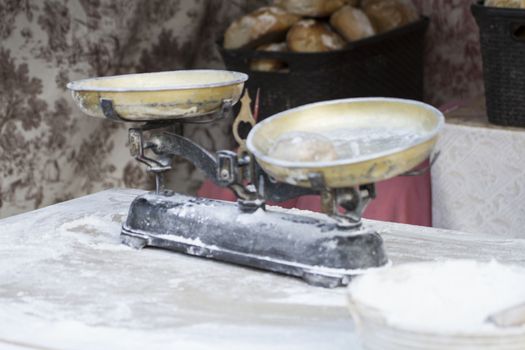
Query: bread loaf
x,y
269,64
386,15
352,23
261,26
312,8
506,3
313,36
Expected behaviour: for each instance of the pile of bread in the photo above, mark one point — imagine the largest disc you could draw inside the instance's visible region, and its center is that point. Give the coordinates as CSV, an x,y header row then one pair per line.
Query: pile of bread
x,y
506,3
315,25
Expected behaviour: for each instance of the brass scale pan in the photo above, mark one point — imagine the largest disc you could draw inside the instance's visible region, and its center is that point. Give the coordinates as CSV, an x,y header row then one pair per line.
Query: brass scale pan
x,y
189,94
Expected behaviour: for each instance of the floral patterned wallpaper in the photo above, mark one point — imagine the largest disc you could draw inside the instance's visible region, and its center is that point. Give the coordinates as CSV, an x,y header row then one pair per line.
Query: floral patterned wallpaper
x,y
453,57
50,152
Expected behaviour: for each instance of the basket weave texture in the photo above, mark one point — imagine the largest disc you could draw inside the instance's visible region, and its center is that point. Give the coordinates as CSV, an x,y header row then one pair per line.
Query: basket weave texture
x,y
386,65
502,37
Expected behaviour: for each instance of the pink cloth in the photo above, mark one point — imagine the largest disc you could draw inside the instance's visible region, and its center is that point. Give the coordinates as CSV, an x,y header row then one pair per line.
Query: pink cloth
x,y
402,199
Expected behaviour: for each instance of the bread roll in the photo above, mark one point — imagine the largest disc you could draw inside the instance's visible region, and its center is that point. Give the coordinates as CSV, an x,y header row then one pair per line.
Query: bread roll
x,y
269,64
313,36
312,8
257,27
352,23
506,3
386,15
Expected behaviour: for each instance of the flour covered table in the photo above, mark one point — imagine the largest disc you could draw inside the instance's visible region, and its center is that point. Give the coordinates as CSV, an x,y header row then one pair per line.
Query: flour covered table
x,y
66,282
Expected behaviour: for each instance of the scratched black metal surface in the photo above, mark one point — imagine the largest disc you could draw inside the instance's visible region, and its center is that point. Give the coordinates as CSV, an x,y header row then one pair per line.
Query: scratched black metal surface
x,y
307,246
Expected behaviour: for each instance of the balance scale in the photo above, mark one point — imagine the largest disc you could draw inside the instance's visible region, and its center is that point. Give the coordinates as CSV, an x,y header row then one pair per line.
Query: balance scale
x,y
388,137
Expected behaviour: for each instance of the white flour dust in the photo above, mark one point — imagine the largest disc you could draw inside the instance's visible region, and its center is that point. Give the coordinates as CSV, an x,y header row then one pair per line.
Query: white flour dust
x,y
448,296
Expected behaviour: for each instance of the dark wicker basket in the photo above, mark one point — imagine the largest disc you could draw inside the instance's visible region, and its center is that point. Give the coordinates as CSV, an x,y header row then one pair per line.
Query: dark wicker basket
x,y
387,65
502,35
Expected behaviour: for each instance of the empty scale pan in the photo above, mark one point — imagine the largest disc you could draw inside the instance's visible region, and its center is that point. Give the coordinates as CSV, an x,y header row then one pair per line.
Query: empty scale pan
x,y
181,95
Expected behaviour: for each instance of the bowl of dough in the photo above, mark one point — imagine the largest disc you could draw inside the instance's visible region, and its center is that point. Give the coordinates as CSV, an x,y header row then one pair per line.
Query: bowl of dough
x,y
450,305
302,51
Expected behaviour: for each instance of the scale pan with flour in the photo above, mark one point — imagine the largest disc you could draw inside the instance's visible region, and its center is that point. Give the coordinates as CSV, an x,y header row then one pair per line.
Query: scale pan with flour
x,y
337,149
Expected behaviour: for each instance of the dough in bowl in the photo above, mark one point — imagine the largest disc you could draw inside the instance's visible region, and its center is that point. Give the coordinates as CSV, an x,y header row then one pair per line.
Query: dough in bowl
x,y
303,147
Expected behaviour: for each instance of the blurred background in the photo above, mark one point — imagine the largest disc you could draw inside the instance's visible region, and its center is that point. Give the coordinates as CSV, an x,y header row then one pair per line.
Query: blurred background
x,y
50,152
